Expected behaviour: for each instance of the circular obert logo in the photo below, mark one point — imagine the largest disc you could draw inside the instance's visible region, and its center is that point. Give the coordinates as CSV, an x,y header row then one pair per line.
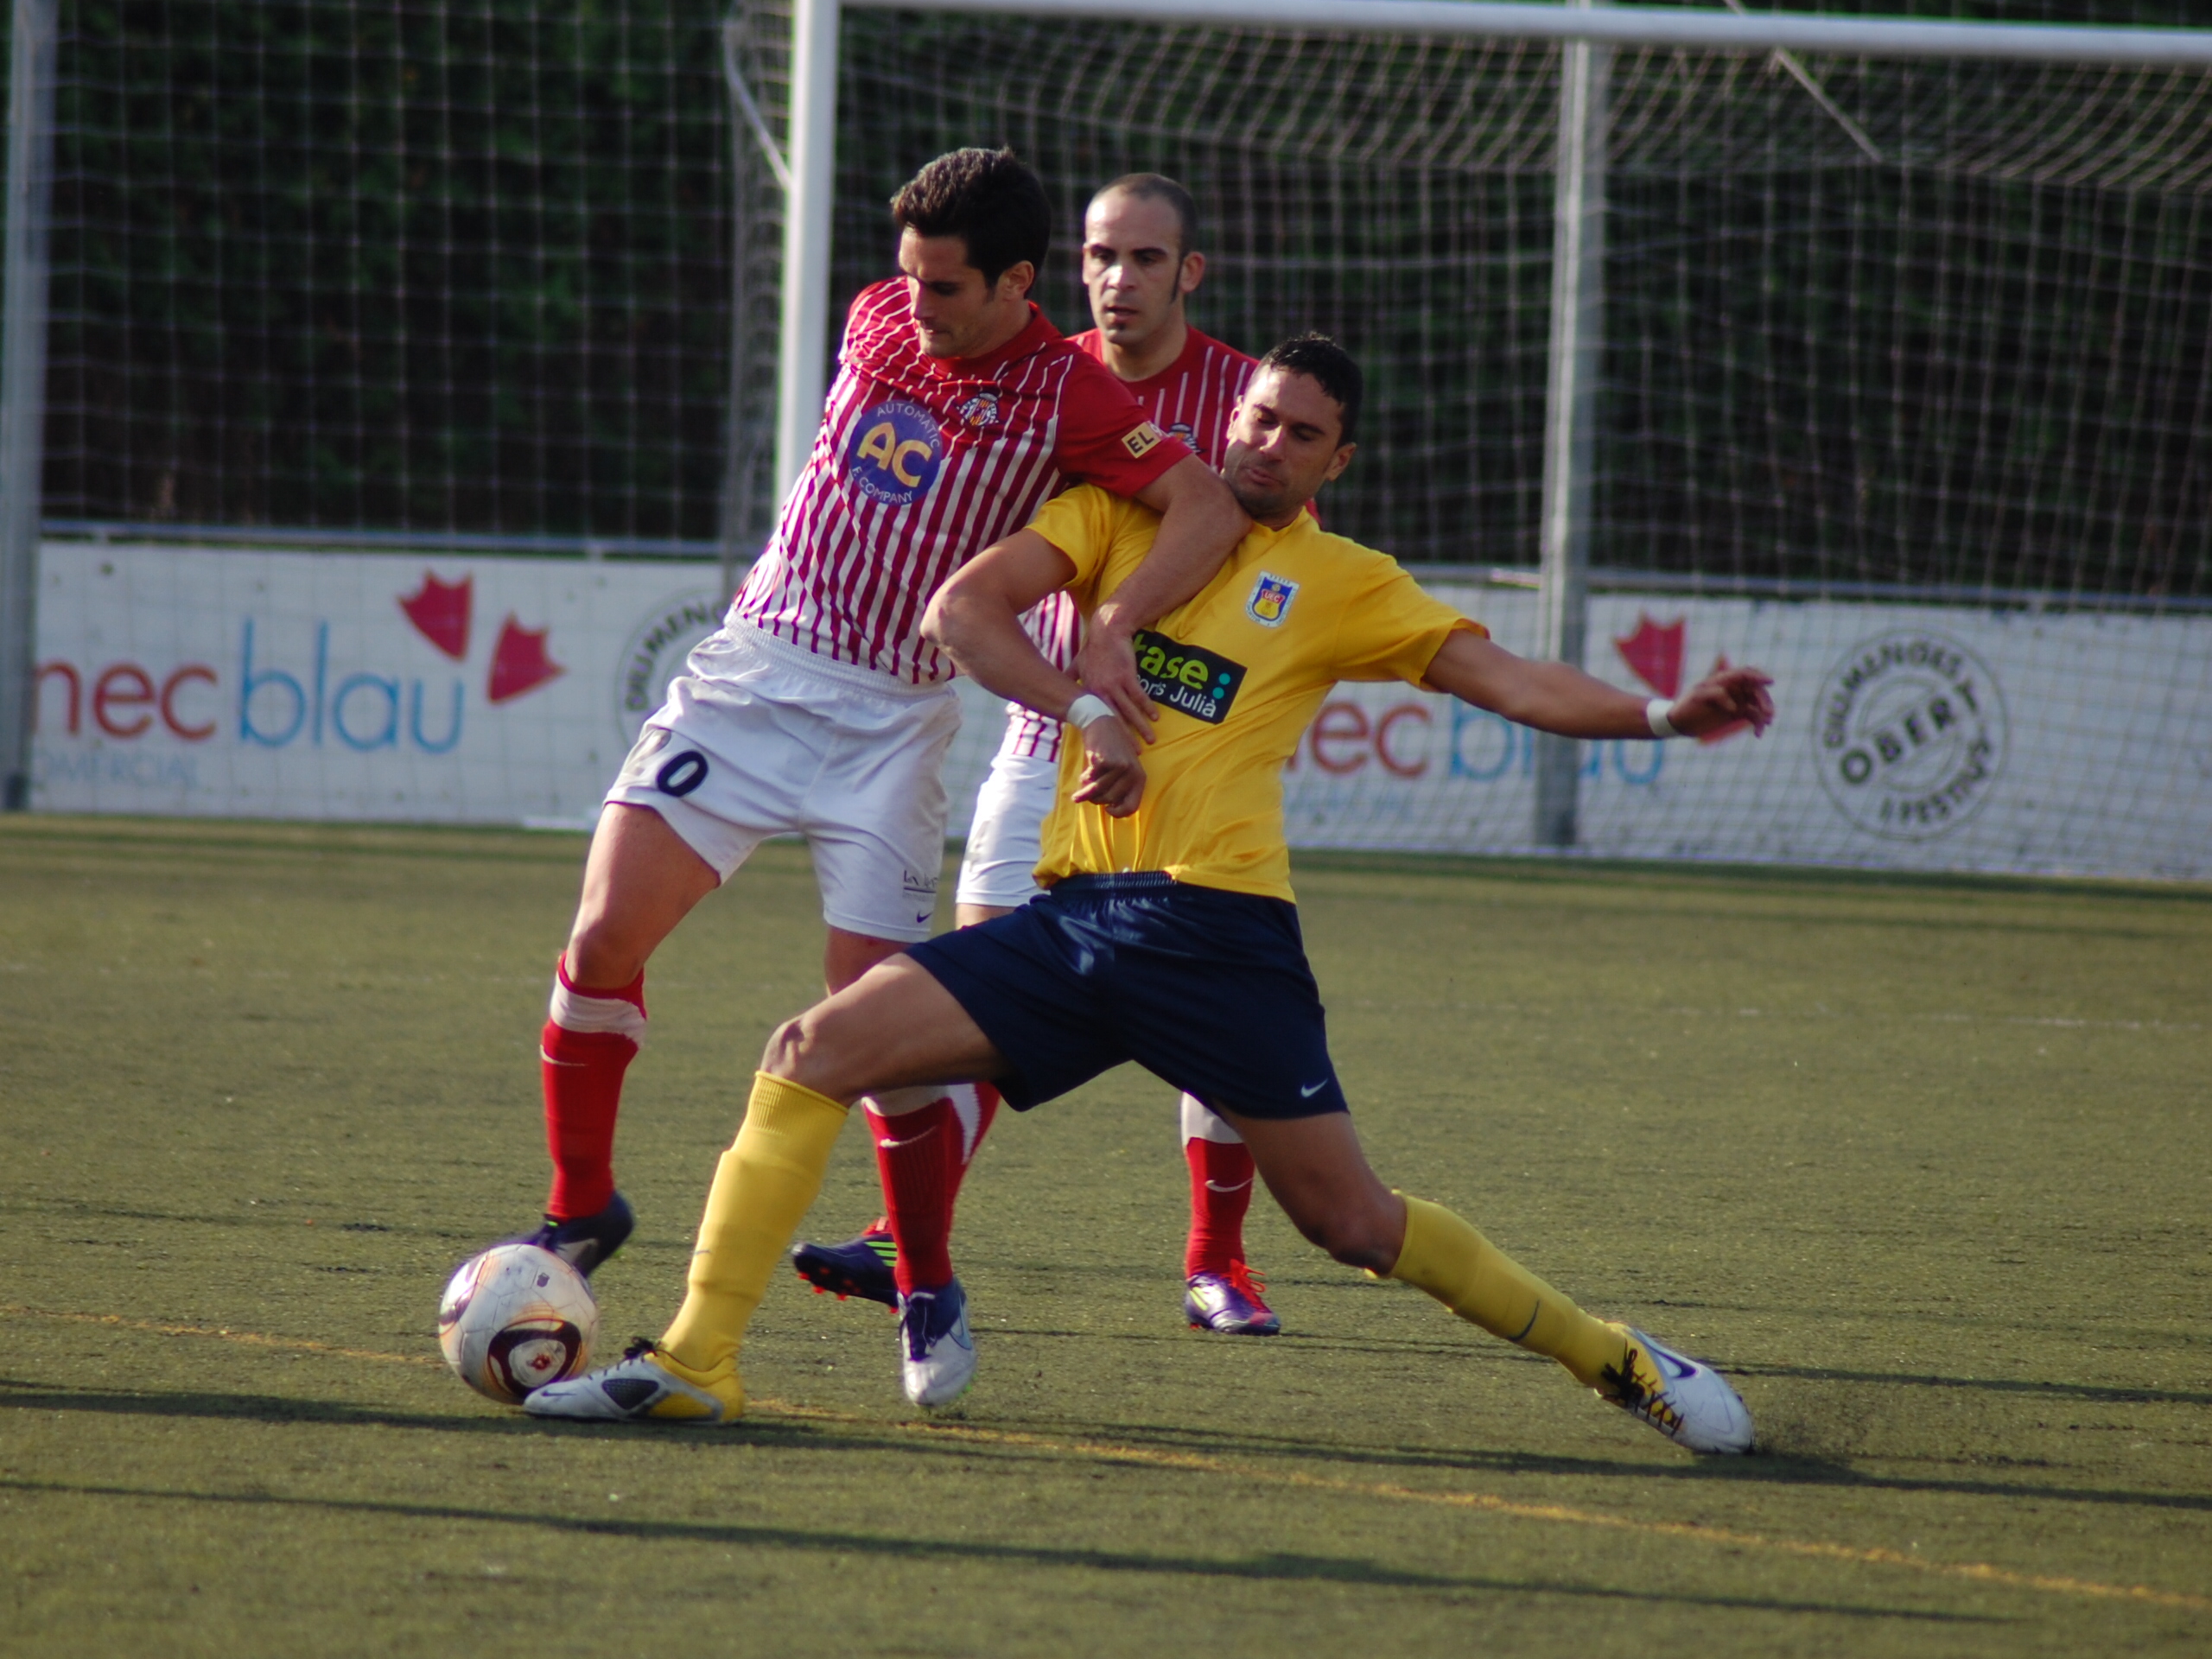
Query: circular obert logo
x,y
656,654
894,452
1910,733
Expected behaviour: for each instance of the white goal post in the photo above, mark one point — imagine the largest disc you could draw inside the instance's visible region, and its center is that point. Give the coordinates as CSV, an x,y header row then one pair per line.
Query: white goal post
x,y
800,384
1589,32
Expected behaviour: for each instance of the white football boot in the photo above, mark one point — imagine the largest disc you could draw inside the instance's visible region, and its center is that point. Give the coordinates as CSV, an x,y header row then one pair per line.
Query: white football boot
x,y
645,1385
936,1357
1691,1404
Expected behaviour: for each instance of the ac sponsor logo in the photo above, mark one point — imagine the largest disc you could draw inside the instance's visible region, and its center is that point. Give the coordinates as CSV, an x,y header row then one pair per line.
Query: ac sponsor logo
x,y
895,453
1911,733
656,654
1188,678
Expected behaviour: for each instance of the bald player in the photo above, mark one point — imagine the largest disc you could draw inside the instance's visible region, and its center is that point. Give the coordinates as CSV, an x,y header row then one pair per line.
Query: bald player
x,y
1140,264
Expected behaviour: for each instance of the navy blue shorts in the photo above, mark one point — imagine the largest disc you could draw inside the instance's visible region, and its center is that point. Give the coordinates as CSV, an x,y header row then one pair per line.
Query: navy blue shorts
x,y
1207,990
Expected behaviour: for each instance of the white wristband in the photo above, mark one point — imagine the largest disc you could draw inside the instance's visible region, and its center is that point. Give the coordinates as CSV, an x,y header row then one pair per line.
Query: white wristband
x,y
1088,710
1654,715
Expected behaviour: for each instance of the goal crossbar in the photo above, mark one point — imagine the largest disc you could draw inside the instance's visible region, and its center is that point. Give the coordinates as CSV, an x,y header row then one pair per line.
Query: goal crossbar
x,y
801,382
1610,25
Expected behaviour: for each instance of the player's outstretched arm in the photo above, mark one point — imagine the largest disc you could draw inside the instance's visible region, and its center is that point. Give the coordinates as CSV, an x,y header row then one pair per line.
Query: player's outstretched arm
x,y
975,619
1555,697
1200,525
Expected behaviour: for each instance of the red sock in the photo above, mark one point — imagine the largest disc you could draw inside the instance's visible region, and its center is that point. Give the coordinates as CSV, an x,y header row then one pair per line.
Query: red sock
x,y
584,1050
918,1154
1221,1191
987,1111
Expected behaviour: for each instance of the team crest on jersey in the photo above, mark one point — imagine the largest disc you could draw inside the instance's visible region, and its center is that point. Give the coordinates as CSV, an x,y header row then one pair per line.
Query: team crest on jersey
x,y
1270,601
1142,440
981,409
1183,431
895,453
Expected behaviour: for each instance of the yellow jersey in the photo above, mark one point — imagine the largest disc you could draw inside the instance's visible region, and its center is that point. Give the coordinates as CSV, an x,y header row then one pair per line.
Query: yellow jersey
x,y
1238,673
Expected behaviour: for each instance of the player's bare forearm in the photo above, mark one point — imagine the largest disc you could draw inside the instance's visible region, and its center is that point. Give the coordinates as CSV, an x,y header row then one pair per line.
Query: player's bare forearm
x,y
1200,523
975,619
1555,697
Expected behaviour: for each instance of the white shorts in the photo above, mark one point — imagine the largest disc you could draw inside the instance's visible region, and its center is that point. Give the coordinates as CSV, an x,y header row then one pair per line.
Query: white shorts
x,y
760,738
1000,868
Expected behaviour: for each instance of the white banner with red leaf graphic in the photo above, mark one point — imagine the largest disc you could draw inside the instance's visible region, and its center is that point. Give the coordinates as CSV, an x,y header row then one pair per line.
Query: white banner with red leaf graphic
x,y
376,686
349,686
1907,737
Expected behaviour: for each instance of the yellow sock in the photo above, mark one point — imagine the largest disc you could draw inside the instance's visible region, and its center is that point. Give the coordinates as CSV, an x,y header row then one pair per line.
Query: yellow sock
x,y
762,1188
1445,1256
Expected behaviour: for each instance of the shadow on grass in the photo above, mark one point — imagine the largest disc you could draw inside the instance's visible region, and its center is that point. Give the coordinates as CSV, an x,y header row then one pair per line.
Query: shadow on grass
x,y
1271,1568
1719,876
143,838
1003,1441
18,1395
1446,1347
1787,1469
2090,1393
286,1215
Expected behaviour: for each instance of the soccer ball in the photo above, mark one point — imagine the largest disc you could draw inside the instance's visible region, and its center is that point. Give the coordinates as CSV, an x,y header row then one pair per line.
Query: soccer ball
x,y
515,1319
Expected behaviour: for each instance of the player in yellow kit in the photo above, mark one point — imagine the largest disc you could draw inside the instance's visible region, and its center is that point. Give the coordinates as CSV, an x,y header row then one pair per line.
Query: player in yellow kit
x,y
1168,933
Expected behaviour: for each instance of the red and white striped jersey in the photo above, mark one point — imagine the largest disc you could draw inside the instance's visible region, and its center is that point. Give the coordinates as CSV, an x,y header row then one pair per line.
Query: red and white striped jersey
x,y
1190,399
921,463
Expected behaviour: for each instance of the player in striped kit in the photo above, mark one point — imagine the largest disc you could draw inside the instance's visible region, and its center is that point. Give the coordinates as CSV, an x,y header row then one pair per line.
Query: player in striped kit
x,y
1140,264
818,708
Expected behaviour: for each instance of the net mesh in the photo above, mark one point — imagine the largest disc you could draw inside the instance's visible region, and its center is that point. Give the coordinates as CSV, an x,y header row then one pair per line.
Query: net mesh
x,y
1933,332
511,267
1980,361
1924,332
413,266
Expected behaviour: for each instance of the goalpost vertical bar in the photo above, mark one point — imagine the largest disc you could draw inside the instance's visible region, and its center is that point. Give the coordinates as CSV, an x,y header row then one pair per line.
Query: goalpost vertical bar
x,y
805,347
23,382
735,516
1570,408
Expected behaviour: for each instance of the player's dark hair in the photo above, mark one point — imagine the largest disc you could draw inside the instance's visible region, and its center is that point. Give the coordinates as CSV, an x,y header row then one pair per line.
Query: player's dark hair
x,y
1331,367
989,199
1157,187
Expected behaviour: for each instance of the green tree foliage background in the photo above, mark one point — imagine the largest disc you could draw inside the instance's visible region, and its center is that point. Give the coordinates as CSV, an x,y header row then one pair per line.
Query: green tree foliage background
x,y
446,266
411,266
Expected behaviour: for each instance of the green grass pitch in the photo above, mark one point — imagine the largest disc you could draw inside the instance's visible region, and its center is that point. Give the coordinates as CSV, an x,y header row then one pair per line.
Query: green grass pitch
x,y
1922,1163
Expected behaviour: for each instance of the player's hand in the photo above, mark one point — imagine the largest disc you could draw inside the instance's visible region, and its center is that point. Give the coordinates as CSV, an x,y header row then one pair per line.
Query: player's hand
x,y
1727,697
1112,774
1106,664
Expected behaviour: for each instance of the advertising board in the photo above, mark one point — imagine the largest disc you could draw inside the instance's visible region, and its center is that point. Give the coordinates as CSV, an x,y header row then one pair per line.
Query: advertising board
x,y
383,686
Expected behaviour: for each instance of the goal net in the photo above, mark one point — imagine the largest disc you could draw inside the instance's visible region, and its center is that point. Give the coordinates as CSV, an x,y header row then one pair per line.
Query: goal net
x,y
1904,392
436,268
1905,389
